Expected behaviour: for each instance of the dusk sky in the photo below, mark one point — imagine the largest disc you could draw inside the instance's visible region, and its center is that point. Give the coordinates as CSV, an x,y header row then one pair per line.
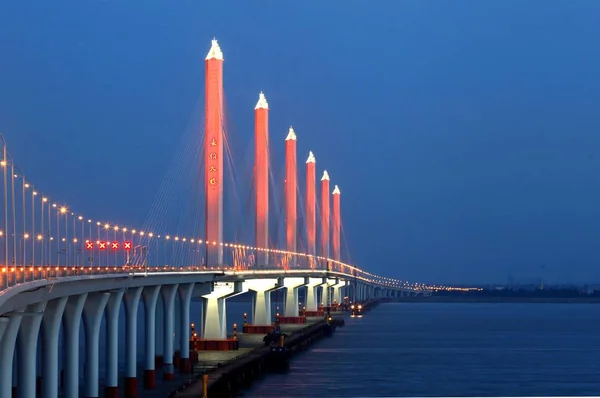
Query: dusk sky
x,y
464,135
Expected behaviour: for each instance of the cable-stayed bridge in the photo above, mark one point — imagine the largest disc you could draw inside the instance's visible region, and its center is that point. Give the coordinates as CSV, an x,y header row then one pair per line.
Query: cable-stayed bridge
x,y
61,269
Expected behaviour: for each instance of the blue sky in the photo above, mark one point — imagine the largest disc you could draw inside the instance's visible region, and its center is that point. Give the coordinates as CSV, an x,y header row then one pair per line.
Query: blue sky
x,y
463,134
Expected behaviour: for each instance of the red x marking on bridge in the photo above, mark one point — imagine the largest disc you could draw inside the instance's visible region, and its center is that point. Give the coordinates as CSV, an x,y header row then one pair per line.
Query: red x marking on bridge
x,y
89,245
127,245
102,245
115,245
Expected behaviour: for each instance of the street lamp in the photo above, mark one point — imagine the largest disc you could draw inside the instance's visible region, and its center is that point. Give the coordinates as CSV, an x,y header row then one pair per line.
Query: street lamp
x,y
4,165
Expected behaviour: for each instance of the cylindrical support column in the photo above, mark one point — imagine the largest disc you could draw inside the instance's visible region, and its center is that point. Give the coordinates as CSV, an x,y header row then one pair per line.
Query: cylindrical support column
x,y
27,340
132,301
92,318
213,152
261,178
50,332
325,224
3,326
291,187
113,307
185,297
159,332
168,298
7,351
261,310
150,296
311,297
72,322
336,224
311,209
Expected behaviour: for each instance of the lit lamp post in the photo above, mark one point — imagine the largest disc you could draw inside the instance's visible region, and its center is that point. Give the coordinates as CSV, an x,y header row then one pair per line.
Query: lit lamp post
x,y
4,165
22,243
33,195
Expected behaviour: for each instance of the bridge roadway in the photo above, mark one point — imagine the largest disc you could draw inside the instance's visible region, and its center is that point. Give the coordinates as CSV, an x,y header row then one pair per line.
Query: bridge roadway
x,y
41,303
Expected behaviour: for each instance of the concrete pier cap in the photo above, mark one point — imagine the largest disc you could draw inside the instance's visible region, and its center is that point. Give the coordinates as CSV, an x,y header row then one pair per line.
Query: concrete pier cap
x,y
292,284
215,318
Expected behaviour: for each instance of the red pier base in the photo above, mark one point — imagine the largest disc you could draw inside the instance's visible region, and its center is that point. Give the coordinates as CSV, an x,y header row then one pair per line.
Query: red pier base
x,y
258,329
14,392
292,319
215,345
131,387
314,313
168,376
111,392
159,360
149,379
38,386
185,366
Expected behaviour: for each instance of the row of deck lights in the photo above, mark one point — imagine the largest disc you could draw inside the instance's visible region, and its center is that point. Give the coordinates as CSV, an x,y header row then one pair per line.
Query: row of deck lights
x,y
63,210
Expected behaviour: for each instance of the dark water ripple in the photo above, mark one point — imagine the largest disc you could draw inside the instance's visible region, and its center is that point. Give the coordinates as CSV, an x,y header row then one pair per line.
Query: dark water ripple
x,y
413,349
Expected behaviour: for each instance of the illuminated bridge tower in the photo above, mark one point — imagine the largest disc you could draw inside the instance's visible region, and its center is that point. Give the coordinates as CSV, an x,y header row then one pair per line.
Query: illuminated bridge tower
x,y
261,170
325,226
311,208
290,193
213,152
337,223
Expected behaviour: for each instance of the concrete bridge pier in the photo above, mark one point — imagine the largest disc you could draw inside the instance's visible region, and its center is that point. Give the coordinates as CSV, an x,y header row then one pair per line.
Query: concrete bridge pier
x,y
3,326
27,340
113,307
51,322
71,324
185,298
312,292
168,299
215,317
261,308
337,290
150,297
132,301
7,351
291,297
159,334
92,318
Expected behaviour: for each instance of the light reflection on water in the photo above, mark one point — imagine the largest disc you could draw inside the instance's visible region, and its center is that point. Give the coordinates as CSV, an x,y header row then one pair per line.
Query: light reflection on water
x,y
445,349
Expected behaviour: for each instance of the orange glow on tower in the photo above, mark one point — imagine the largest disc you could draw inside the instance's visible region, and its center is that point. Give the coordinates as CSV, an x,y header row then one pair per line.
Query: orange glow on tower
x,y
311,208
261,170
336,223
290,191
325,227
213,152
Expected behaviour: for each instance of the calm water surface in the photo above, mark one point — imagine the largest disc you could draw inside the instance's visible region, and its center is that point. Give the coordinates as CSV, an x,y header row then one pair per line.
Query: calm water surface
x,y
446,349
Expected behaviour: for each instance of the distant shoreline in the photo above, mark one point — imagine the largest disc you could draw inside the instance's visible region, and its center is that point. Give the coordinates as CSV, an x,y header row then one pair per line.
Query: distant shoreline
x,y
540,300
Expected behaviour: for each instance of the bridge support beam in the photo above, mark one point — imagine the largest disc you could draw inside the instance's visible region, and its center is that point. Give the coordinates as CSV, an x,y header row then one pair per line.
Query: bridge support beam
x,y
261,308
132,301
27,340
291,297
92,318
113,307
7,351
72,322
185,297
150,297
50,331
215,317
168,298
312,290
